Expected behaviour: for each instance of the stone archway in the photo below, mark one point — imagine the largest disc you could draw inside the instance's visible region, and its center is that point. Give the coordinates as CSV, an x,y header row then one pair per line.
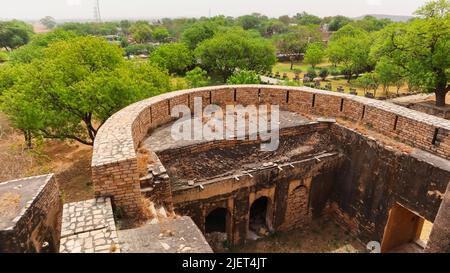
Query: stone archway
x,y
217,228
216,221
258,222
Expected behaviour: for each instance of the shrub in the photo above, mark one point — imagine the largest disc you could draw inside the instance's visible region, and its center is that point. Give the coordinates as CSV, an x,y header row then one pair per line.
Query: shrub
x,y
324,73
311,73
335,71
197,77
3,57
244,77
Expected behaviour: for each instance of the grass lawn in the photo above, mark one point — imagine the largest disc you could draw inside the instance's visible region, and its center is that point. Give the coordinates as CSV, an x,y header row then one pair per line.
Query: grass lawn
x,y
285,67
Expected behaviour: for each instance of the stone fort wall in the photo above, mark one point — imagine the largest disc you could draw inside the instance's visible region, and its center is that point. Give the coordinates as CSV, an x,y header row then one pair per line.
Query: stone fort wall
x,y
114,162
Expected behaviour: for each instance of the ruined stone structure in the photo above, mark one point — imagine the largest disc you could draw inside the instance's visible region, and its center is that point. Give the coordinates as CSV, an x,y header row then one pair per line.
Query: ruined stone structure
x,y
30,215
398,158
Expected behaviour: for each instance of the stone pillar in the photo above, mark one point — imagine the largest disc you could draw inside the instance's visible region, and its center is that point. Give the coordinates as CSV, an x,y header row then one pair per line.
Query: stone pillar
x,y
440,234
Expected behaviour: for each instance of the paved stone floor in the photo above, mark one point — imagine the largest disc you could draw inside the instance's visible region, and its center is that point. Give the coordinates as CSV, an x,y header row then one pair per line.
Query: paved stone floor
x,y
88,226
179,235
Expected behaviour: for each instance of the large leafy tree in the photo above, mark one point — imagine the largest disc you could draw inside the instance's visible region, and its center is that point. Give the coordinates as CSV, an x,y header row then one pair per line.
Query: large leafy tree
x,y
371,23
389,74
305,18
421,48
296,41
175,57
350,48
48,21
252,21
198,32
197,77
106,28
35,49
160,34
75,87
141,31
314,54
235,49
337,22
14,34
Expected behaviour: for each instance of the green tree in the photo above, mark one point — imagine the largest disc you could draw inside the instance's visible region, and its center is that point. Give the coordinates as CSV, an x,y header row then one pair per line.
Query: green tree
x,y
388,74
305,18
49,22
160,34
311,73
323,73
252,21
198,32
14,34
285,19
368,81
337,22
296,41
235,49
125,27
75,87
244,77
141,32
175,57
35,49
350,47
421,48
197,77
273,27
370,23
314,54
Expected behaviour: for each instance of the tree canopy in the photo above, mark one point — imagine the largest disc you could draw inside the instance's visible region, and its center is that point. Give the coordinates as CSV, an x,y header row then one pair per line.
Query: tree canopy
x,y
235,49
198,32
75,87
350,48
421,48
14,34
314,54
175,57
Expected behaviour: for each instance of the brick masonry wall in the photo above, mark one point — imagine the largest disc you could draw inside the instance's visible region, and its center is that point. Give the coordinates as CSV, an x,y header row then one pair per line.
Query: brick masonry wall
x,y
440,235
374,177
39,222
283,213
114,158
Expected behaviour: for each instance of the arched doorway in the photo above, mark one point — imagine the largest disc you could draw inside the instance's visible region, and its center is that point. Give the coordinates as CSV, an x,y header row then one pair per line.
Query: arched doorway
x,y
258,216
216,229
216,221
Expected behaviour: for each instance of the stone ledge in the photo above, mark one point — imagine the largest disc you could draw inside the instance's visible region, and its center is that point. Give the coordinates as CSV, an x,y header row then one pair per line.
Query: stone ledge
x,y
115,140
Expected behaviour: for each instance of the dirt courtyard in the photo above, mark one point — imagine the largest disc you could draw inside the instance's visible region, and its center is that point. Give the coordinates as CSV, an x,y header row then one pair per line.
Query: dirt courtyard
x,y
321,236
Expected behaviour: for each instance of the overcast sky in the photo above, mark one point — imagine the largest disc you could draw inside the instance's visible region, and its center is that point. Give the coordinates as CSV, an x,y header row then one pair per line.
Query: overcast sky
x,y
83,9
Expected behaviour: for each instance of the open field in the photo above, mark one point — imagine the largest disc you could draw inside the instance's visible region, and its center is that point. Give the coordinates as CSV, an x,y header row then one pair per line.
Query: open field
x,y
69,161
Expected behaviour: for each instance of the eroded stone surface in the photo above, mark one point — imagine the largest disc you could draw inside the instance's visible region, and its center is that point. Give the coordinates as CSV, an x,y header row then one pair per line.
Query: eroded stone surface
x,y
179,235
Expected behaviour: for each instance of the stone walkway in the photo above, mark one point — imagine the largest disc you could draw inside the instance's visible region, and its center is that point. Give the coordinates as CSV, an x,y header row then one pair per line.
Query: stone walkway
x,y
88,226
176,235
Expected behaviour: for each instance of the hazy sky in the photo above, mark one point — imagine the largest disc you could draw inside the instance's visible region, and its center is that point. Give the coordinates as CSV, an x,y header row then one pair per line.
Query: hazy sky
x,y
83,9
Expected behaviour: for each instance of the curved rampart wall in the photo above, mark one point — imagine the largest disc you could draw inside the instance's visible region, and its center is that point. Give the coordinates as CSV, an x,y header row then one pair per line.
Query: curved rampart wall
x,y
114,163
